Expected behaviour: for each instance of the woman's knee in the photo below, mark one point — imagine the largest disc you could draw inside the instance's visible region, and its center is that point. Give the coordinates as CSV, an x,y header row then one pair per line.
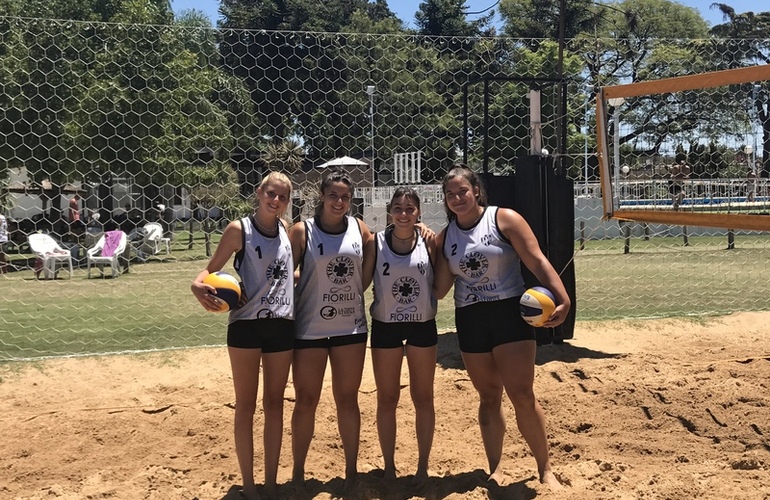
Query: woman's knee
x,y
346,400
490,410
306,400
521,396
423,400
425,408
272,403
245,408
490,394
387,401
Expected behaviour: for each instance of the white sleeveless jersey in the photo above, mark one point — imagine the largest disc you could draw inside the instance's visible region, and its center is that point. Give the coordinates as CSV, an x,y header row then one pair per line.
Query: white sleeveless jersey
x,y
485,265
330,292
265,265
403,283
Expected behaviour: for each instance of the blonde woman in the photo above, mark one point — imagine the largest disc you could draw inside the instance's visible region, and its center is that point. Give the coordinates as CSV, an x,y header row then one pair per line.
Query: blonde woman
x,y
261,329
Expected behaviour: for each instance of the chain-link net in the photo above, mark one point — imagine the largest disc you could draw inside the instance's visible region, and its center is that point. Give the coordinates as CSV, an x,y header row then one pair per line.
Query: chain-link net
x,y
114,126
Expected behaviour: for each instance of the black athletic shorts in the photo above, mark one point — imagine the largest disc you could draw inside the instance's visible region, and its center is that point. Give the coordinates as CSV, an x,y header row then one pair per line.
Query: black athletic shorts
x,y
485,325
390,335
270,334
356,338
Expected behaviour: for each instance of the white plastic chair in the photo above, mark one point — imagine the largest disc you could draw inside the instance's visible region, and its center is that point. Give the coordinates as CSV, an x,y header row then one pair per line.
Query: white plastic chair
x,y
96,254
154,241
53,256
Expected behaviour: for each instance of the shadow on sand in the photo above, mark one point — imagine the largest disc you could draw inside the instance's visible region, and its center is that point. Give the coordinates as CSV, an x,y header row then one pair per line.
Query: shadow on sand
x,y
449,353
371,485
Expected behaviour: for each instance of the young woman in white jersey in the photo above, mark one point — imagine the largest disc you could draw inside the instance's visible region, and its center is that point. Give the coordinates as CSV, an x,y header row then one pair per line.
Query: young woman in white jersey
x,y
334,255
262,327
404,311
480,252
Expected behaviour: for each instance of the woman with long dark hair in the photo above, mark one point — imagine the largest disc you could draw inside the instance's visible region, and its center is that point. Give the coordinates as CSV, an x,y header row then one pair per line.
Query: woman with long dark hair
x,y
333,254
480,252
404,322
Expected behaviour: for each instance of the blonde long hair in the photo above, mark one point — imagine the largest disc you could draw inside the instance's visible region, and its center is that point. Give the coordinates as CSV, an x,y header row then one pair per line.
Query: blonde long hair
x,y
273,178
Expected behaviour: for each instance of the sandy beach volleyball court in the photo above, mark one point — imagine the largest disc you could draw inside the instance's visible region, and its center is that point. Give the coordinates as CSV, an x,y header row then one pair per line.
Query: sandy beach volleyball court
x,y
653,409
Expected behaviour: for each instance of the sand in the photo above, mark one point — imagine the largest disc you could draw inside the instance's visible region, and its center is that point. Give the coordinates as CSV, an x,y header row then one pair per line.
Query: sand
x,y
653,409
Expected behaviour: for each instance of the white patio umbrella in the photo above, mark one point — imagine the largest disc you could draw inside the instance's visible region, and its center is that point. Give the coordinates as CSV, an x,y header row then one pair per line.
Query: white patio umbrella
x,y
344,161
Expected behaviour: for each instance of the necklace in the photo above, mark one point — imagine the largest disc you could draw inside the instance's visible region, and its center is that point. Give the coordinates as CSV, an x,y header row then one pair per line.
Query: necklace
x,y
393,233
263,228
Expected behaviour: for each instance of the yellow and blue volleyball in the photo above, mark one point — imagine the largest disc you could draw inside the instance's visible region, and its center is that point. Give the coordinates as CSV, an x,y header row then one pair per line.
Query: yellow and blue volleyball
x,y
228,290
536,305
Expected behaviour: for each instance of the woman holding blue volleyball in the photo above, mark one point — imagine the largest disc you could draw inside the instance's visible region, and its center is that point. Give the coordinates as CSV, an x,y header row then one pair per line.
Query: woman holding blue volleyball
x,y
261,329
404,322
480,252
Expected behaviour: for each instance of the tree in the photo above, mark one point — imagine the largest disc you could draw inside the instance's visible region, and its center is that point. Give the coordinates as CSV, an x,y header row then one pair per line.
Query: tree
x,y
633,41
665,40
538,20
448,18
743,25
146,107
36,65
133,98
746,37
294,77
276,62
287,156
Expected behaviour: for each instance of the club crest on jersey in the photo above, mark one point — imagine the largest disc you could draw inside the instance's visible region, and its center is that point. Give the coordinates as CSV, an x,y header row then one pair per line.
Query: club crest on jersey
x,y
340,270
474,264
277,272
405,290
422,268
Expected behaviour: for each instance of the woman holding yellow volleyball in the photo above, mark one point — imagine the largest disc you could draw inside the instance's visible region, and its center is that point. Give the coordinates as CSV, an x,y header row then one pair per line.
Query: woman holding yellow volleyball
x,y
261,329
480,252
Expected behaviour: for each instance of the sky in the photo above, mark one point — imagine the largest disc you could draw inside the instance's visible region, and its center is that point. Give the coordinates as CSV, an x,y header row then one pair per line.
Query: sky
x,y
405,9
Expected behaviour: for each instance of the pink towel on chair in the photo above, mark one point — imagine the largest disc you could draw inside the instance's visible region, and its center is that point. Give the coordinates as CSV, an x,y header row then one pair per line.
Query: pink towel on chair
x,y
111,242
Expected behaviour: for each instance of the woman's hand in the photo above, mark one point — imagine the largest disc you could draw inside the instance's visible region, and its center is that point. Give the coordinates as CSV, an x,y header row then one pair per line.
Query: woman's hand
x,y
426,232
558,316
206,295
